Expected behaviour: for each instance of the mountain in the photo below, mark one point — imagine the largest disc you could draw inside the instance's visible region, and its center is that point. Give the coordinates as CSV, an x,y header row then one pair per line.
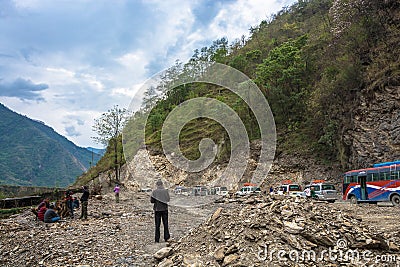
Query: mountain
x,y
33,154
98,151
330,72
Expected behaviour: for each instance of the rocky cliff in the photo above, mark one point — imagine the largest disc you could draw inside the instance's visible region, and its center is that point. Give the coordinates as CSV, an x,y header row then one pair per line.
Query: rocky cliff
x,y
374,133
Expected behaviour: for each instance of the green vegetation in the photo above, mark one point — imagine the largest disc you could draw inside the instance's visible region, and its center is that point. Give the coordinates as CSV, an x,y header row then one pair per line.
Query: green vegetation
x,y
33,154
105,165
310,60
109,127
8,212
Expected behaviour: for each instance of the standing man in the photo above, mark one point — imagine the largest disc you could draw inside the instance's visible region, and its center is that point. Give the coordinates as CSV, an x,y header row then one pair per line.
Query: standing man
x,y
70,202
307,191
84,201
160,198
116,191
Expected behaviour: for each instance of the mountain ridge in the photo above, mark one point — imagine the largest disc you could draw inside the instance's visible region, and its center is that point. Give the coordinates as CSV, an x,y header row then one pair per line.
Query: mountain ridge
x,y
35,154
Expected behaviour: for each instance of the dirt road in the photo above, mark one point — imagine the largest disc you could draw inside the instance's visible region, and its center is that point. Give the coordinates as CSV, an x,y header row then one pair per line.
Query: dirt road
x,y
123,234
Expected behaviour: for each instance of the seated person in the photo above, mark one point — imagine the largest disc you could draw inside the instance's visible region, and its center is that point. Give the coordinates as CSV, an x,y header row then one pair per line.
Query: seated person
x,y
41,212
51,215
45,203
76,203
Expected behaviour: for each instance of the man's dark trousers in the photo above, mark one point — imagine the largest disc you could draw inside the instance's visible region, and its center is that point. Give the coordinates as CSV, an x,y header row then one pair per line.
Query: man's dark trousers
x,y
161,215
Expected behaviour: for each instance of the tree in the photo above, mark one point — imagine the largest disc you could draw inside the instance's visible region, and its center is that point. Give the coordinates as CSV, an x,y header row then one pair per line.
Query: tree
x,y
108,128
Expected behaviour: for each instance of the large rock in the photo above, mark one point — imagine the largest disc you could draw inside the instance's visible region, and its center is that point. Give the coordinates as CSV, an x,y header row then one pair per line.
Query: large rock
x,y
163,253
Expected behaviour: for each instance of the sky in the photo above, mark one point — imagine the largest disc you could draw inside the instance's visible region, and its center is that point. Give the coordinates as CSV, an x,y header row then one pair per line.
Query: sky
x,y
67,62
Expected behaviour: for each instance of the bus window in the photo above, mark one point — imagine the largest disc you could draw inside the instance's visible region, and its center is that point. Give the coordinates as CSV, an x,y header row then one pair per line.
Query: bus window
x,y
354,179
394,175
347,179
369,177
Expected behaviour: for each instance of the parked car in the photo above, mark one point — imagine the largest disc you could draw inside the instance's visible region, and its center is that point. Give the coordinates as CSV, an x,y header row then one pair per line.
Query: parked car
x,y
289,189
323,191
180,190
199,191
219,190
147,190
247,190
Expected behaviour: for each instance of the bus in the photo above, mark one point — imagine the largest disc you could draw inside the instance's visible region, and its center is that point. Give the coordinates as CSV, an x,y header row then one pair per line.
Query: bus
x,y
377,184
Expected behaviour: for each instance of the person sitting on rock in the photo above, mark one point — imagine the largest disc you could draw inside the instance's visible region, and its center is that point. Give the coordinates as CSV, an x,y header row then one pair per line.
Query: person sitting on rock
x,y
51,215
41,213
44,203
76,203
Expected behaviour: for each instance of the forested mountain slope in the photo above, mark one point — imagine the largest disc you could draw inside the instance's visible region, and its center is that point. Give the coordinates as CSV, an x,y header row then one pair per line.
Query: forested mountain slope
x,y
34,154
330,70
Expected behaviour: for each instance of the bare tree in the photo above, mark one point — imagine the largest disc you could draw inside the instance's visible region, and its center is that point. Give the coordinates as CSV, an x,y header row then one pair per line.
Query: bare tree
x,y
108,128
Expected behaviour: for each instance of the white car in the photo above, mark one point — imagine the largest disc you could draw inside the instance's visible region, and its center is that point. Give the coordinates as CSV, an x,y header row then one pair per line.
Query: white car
x,y
322,191
219,190
289,189
247,190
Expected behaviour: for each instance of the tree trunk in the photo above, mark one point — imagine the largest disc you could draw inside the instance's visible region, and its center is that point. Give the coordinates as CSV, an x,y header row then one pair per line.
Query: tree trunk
x,y
116,159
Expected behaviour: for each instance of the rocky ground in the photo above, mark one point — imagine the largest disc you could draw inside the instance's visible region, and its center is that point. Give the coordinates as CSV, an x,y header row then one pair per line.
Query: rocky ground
x,y
255,231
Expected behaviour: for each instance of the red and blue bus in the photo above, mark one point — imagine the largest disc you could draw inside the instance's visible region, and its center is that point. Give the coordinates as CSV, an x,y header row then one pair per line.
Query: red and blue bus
x,y
372,185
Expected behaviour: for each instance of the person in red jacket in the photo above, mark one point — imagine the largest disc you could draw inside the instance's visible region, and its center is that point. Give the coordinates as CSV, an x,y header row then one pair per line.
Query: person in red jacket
x,y
41,213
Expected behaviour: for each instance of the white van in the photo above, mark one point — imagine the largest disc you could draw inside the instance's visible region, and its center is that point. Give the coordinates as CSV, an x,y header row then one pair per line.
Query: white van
x,y
247,190
289,189
323,191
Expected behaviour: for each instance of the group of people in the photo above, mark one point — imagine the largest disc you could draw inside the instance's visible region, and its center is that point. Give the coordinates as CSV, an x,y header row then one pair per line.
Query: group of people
x,y
160,197
47,211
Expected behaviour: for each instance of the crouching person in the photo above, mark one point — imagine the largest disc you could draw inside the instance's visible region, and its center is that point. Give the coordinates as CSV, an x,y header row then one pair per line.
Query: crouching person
x,y
41,212
51,215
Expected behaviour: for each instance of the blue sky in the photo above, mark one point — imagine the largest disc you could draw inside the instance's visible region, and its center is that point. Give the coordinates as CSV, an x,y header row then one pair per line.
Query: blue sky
x,y
66,62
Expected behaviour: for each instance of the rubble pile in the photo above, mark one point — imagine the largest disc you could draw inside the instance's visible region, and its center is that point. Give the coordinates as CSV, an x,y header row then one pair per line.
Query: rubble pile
x,y
115,234
280,231
237,231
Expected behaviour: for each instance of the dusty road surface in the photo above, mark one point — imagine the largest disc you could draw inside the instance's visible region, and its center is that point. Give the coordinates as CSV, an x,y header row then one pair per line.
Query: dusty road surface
x,y
122,234
114,235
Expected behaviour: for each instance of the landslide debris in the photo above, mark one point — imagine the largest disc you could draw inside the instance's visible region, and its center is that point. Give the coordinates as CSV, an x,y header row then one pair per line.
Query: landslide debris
x,y
280,231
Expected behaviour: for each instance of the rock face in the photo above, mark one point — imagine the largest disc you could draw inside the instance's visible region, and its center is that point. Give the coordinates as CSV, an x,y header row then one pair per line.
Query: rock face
x,y
145,169
375,132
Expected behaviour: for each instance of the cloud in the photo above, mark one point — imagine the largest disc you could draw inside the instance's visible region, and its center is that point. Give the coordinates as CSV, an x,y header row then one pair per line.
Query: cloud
x,y
23,89
71,131
90,55
235,18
